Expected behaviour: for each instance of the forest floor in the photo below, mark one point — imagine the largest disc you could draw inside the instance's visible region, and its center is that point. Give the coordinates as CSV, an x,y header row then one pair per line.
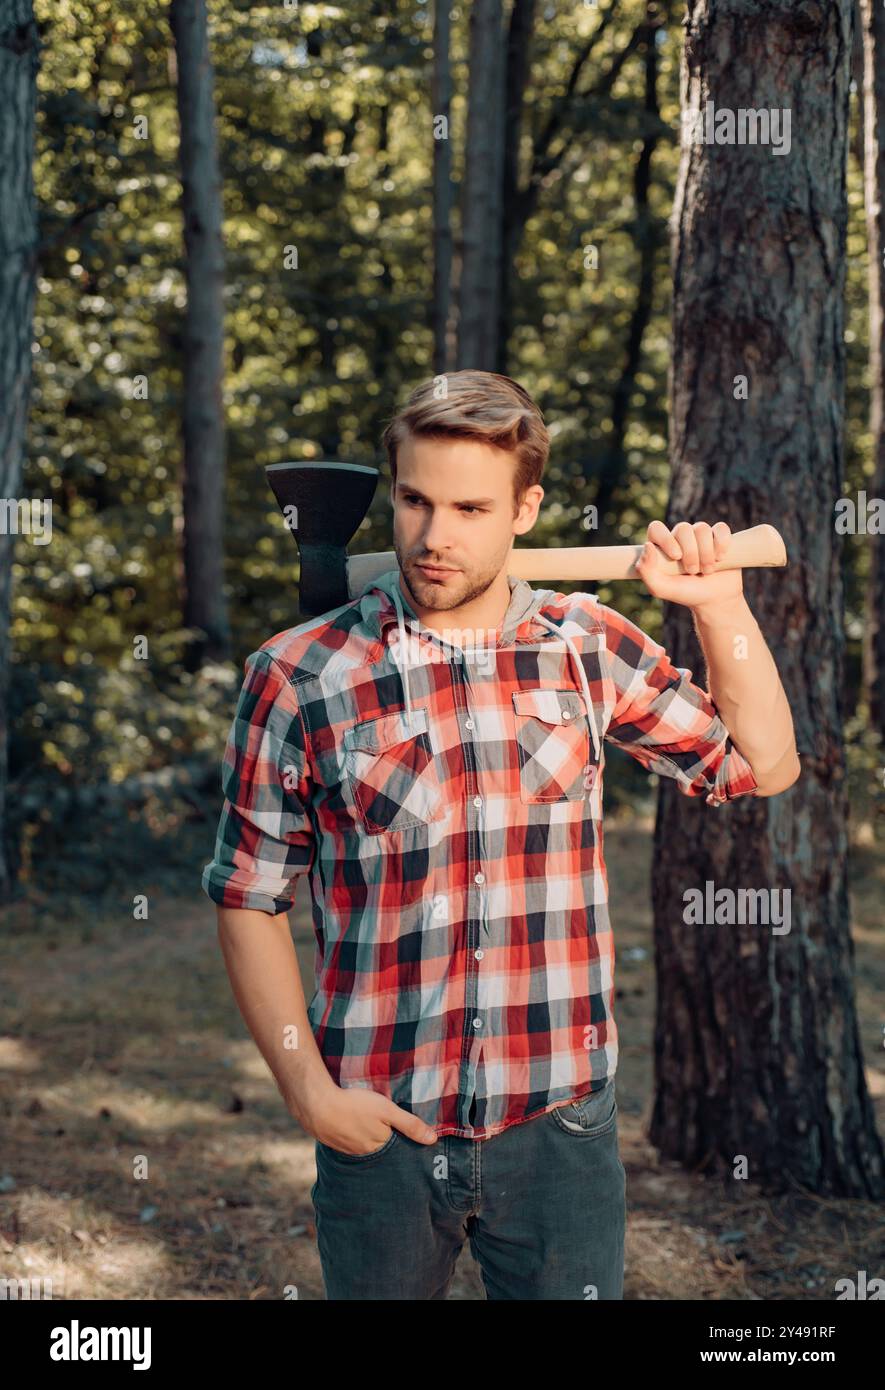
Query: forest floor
x,y
121,1044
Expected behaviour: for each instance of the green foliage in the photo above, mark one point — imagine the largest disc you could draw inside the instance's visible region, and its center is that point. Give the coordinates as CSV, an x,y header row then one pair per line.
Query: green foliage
x,y
324,131
115,769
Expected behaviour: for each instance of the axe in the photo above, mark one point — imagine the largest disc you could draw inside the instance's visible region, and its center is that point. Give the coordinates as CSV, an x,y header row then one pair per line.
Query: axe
x,y
324,503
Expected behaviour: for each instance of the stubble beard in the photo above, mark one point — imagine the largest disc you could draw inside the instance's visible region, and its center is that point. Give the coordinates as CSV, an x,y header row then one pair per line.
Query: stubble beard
x,y
441,598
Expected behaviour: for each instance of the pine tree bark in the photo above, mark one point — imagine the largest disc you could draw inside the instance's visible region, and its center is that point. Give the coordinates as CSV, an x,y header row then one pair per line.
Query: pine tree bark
x,y
516,75
857,76
481,205
203,425
19,64
757,1048
873,106
441,100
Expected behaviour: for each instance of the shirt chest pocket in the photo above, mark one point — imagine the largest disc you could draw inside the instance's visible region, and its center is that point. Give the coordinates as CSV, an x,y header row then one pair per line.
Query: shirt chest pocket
x,y
390,772
556,758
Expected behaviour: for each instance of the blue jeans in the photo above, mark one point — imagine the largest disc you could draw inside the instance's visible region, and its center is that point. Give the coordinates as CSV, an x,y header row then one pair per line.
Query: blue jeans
x,y
543,1205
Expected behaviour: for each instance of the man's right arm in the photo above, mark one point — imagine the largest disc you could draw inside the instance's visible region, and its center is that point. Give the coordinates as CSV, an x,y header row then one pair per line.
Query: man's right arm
x,y
265,839
266,981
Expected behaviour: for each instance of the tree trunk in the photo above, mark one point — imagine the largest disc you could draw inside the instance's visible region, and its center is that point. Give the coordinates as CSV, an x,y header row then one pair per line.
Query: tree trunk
x,y
857,76
19,64
757,1048
873,107
441,98
203,423
522,18
481,205
612,470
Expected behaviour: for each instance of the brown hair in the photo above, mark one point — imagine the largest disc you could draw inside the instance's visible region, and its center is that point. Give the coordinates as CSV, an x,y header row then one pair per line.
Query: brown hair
x,y
478,405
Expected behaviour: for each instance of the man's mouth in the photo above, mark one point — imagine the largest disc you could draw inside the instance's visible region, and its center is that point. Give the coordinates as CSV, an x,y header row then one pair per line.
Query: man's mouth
x,y
436,571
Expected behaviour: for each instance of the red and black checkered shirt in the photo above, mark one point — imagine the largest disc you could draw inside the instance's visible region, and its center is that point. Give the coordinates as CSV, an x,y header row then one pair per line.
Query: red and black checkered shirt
x,y
445,799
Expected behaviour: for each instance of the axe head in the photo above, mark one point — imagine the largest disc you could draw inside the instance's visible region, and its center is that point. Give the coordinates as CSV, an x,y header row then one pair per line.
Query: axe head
x,y
323,505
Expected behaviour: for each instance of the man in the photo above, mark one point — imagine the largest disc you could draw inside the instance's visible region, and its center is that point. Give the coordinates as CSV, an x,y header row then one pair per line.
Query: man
x,y
443,789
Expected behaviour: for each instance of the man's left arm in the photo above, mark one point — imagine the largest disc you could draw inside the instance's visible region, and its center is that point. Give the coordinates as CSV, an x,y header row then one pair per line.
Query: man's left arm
x,y
742,678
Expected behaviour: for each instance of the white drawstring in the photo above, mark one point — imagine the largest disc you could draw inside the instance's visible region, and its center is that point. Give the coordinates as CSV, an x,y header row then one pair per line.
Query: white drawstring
x,y
557,632
404,654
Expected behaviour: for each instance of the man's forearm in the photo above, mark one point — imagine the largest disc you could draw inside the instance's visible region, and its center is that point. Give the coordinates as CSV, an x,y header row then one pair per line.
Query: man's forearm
x,y
746,689
266,981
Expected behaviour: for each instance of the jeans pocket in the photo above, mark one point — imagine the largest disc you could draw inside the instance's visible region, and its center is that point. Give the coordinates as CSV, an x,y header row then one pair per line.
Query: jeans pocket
x,y
341,1157
591,1116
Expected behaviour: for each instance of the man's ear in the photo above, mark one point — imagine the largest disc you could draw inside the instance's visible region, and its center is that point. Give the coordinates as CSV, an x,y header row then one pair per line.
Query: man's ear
x,y
527,513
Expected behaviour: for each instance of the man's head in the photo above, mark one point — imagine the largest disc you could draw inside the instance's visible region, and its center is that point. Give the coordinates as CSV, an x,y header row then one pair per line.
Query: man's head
x,y
466,455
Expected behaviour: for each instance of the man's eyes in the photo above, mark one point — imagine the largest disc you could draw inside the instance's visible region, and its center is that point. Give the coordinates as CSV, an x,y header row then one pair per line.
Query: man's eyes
x,y
466,507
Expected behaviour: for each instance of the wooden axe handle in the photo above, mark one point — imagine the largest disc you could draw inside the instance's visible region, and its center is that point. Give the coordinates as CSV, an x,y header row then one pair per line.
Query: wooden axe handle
x,y
758,546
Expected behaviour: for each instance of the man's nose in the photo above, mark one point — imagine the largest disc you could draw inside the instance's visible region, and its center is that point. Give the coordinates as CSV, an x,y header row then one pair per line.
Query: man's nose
x,y
436,537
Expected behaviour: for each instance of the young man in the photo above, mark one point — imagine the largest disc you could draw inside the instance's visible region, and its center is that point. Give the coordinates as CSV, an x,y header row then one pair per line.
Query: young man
x,y
443,790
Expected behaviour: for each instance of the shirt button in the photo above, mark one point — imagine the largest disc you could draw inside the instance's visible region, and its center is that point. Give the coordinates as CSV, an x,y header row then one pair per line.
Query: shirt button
x,y
479,954
566,714
477,801
468,724
477,1023
479,878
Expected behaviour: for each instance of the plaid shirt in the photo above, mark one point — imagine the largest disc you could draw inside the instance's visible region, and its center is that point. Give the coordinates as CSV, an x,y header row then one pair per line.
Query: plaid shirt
x,y
446,802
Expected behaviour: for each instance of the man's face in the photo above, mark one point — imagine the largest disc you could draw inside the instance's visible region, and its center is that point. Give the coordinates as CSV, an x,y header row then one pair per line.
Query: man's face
x,y
453,508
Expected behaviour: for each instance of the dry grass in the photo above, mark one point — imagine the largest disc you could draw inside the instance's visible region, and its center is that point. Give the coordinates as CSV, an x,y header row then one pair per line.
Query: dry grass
x,y
120,1045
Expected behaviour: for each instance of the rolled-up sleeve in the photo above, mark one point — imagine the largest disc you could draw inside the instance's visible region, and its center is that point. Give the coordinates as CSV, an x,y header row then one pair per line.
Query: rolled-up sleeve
x,y
667,722
264,837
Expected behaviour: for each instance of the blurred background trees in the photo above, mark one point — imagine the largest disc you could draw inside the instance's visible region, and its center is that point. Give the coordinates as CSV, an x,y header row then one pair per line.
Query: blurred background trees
x,y
335,196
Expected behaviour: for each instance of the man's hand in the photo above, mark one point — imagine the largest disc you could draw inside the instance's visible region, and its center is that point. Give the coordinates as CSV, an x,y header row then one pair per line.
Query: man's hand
x,y
358,1121
698,546
743,681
